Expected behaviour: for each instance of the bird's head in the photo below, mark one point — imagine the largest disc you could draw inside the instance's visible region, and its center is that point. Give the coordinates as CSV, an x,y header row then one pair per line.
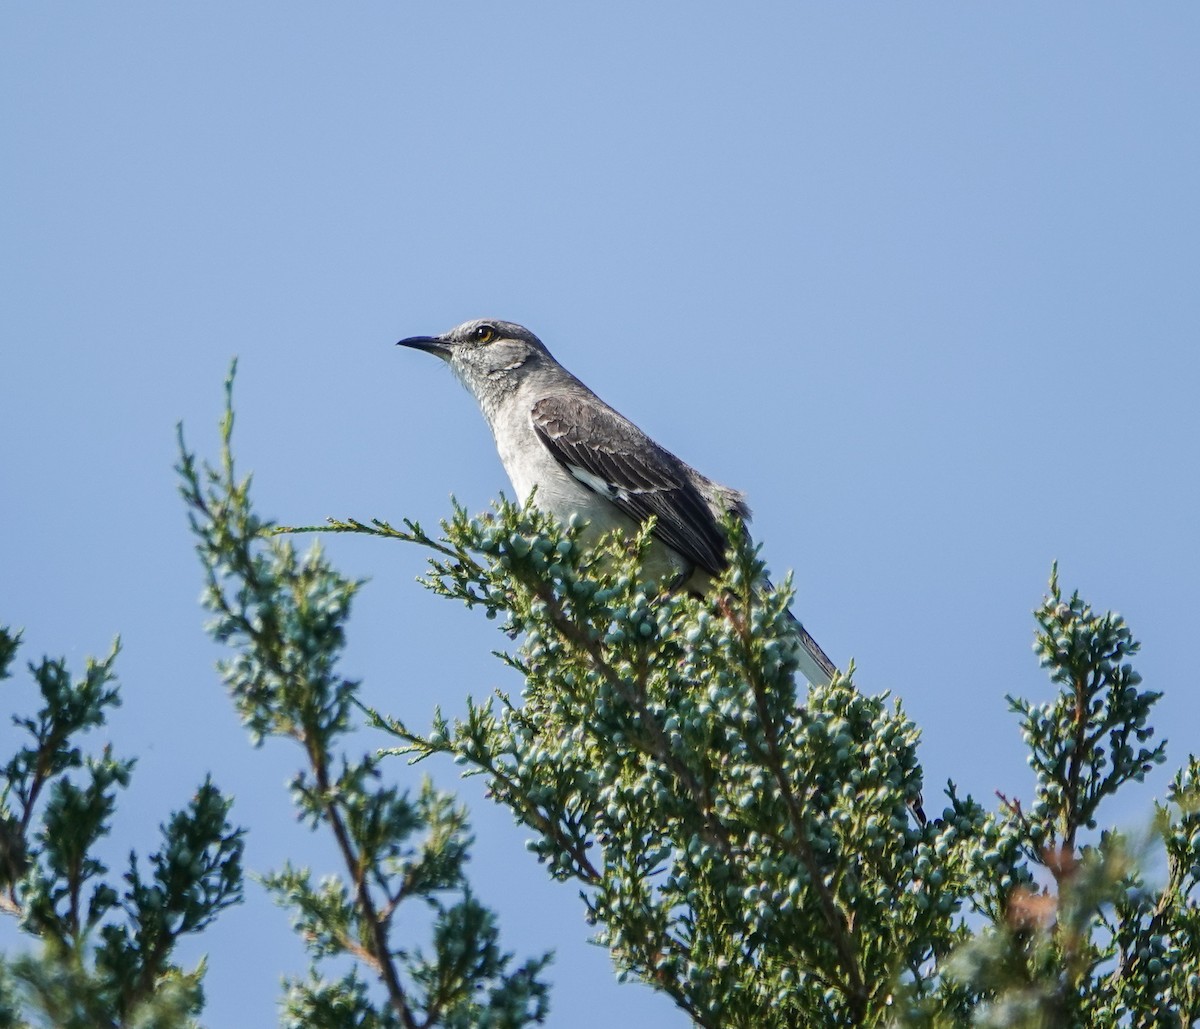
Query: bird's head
x,y
488,355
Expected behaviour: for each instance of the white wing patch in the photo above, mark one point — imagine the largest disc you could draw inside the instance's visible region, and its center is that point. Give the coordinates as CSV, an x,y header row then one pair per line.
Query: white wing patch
x,y
602,486
595,482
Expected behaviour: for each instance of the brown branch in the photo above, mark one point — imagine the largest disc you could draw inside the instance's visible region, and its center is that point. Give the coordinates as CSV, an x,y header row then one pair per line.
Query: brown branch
x,y
381,959
1075,763
550,827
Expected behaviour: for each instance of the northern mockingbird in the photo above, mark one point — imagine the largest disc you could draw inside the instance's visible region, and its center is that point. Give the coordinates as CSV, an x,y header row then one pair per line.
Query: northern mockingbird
x,y
555,434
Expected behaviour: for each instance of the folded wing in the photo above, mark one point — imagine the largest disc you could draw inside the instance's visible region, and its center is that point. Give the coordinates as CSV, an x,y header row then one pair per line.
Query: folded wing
x,y
614,458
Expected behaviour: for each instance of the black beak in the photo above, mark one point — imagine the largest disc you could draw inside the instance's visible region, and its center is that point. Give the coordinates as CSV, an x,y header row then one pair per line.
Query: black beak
x,y
430,344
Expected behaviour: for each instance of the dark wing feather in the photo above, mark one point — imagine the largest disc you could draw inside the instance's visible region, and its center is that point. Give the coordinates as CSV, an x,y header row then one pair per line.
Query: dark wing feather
x,y
642,478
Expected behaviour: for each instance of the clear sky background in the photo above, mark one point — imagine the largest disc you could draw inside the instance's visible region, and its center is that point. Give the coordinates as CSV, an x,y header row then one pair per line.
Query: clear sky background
x,y
920,278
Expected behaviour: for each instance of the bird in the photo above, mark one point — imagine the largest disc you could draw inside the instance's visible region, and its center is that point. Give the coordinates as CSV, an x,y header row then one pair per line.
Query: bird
x,y
576,455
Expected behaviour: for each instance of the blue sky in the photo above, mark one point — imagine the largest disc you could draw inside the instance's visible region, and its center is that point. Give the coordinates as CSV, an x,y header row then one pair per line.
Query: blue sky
x,y
921,279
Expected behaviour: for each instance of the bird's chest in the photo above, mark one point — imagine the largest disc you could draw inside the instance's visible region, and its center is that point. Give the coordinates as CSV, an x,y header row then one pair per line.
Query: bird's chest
x,y
531,466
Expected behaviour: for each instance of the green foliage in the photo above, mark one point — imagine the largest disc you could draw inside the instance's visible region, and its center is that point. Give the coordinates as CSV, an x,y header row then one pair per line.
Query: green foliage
x,y
1076,933
106,951
738,845
748,851
1098,698
733,844
284,615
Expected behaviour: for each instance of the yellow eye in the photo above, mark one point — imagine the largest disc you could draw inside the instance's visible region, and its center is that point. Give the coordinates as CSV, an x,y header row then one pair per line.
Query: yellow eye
x,y
485,334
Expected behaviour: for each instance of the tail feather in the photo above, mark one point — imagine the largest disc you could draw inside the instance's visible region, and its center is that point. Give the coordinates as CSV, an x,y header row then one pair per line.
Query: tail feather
x,y
815,665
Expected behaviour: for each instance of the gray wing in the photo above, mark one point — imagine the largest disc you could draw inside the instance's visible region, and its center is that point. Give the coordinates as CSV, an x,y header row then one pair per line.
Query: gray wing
x,y
612,457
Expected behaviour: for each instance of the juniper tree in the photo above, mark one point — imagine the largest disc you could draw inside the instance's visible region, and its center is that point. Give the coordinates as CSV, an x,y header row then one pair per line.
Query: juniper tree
x,y
738,844
748,851
284,615
106,954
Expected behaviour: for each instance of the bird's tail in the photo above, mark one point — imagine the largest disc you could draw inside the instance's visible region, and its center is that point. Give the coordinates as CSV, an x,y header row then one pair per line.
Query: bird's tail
x,y
815,665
